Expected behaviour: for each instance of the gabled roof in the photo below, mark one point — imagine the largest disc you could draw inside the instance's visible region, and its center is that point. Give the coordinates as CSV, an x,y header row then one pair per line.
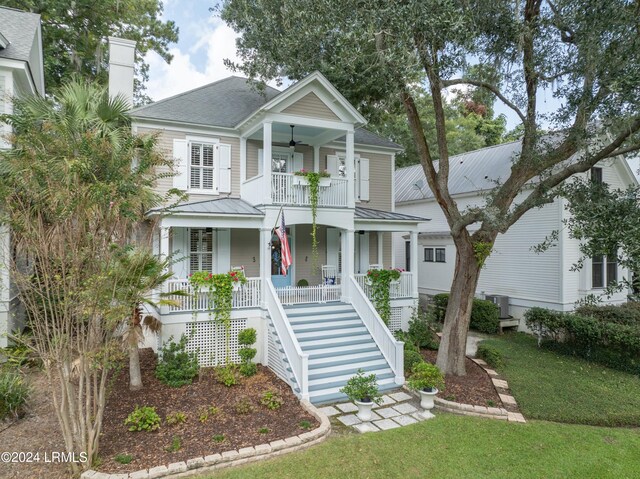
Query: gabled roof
x,y
376,215
472,171
225,104
19,29
219,206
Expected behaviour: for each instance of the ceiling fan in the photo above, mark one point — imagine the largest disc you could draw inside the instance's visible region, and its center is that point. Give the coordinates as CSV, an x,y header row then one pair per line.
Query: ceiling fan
x,y
293,143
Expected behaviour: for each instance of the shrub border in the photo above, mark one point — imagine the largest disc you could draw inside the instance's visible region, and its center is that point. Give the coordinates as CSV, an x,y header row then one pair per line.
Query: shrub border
x,y
234,457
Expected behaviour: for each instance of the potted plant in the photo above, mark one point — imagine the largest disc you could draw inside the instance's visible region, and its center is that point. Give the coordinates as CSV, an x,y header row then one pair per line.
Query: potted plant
x,y
427,379
237,279
363,390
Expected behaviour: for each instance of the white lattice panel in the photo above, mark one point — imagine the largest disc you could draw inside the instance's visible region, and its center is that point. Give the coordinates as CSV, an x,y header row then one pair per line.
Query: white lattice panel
x,y
275,361
395,321
208,338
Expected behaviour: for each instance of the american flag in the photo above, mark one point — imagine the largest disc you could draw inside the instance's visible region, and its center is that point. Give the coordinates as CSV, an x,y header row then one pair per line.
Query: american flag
x,y
285,251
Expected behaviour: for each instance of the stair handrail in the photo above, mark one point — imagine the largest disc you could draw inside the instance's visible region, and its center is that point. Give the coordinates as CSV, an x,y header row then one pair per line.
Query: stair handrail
x,y
391,348
298,360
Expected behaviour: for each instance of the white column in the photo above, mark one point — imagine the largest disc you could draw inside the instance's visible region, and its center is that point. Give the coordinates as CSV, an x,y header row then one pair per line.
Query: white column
x,y
5,285
164,253
414,263
380,248
347,245
351,184
316,158
266,161
265,261
243,162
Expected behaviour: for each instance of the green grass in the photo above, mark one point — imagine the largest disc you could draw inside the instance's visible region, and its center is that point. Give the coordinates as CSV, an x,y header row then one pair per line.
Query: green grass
x,y
463,447
557,387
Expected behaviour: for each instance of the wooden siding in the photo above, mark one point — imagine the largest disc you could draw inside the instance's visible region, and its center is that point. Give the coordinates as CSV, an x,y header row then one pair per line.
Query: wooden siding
x,y
311,106
253,146
245,250
380,181
302,254
165,143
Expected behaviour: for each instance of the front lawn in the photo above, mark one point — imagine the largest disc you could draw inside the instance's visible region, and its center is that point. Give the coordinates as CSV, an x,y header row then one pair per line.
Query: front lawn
x,y
463,447
556,387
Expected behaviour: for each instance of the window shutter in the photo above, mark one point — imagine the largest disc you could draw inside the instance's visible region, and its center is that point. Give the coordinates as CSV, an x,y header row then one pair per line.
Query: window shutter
x,y
260,160
298,159
224,168
180,166
223,257
333,247
364,179
332,165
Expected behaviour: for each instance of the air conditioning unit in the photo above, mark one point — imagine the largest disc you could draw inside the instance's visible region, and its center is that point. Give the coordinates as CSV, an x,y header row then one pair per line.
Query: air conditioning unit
x,y
502,302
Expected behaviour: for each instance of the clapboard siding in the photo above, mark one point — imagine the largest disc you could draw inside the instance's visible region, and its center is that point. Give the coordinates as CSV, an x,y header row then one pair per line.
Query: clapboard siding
x,y
311,106
165,143
245,250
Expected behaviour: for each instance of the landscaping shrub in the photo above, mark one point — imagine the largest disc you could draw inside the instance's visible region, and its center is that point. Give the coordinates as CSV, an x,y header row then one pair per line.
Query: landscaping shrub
x,y
143,418
484,314
14,392
490,355
411,358
177,417
422,330
227,375
612,343
246,338
271,400
627,313
176,366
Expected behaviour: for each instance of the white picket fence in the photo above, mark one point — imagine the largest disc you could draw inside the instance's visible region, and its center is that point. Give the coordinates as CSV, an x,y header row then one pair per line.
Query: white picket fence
x,y
321,293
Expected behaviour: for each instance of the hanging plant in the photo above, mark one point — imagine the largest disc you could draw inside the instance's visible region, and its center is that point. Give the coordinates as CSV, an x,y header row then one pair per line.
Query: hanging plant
x,y
380,282
219,288
313,178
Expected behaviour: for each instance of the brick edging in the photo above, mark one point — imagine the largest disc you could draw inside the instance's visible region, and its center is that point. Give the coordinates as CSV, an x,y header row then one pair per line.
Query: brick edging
x,y
235,457
483,411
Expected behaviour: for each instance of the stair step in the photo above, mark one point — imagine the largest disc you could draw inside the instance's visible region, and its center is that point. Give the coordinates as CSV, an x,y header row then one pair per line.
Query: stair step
x,y
333,394
326,325
336,341
351,369
321,310
336,352
323,318
341,380
345,358
333,333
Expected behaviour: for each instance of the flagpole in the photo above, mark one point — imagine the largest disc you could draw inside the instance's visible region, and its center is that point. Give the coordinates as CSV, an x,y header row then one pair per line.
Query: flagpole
x,y
275,225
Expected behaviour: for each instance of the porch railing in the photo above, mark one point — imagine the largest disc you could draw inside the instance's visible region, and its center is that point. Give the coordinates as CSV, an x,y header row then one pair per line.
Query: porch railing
x,y
309,294
298,361
392,349
403,288
289,189
248,296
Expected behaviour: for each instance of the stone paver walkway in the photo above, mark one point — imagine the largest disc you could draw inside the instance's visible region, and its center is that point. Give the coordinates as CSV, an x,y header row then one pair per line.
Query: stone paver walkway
x,y
395,410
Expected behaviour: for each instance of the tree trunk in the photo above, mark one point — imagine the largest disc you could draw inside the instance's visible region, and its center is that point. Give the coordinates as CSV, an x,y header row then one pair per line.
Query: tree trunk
x,y
135,377
451,355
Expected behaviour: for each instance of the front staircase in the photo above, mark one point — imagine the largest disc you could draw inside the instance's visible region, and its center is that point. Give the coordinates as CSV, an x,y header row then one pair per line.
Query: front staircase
x,y
338,344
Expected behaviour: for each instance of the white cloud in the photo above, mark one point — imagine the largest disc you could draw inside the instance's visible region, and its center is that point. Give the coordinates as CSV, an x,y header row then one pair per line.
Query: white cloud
x,y
218,42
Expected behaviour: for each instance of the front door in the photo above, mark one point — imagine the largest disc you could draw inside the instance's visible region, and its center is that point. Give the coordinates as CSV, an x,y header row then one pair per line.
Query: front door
x,y
278,279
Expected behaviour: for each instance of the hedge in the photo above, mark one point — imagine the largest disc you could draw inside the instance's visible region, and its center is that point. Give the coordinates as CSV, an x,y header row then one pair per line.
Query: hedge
x,y
603,339
627,313
485,316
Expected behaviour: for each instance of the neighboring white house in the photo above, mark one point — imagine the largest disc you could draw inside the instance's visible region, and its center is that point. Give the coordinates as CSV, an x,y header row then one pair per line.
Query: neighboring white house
x,y
236,151
21,74
513,269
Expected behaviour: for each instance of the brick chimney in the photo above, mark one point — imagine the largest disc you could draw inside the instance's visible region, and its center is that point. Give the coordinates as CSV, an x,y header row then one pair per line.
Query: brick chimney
x,y
121,59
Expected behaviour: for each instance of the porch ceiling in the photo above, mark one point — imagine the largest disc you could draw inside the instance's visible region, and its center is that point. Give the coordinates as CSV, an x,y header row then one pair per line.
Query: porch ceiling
x,y
310,135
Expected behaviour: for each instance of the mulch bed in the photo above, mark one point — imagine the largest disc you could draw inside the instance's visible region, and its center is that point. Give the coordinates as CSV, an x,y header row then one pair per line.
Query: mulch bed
x,y
475,388
149,449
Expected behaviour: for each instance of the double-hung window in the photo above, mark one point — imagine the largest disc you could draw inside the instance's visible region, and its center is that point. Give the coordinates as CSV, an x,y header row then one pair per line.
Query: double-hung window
x,y
435,255
201,166
604,270
200,250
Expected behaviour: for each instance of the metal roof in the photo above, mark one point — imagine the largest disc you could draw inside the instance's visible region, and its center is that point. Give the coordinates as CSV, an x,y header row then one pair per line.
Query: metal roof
x,y
220,206
371,214
473,171
19,29
225,104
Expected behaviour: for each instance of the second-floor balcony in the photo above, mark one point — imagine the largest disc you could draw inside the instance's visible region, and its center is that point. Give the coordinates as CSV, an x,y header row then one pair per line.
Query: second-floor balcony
x,y
291,189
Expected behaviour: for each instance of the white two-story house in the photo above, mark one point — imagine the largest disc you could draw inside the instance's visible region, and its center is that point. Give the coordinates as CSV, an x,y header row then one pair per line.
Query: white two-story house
x,y
515,271
236,151
21,74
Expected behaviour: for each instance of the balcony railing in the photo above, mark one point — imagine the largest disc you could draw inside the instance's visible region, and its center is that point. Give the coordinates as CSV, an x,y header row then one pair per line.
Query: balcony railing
x,y
402,288
290,189
321,293
248,296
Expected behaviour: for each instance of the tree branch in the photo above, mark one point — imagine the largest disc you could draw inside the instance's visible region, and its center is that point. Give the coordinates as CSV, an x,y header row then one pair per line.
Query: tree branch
x,y
487,86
